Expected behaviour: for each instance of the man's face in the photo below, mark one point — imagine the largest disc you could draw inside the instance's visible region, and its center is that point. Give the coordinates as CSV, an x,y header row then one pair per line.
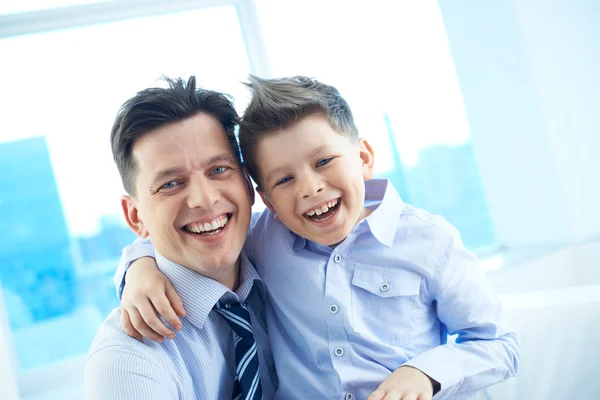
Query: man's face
x,y
191,195
313,178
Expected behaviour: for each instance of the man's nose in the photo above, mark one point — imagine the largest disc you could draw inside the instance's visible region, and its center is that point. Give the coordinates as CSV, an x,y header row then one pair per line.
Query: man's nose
x,y
202,193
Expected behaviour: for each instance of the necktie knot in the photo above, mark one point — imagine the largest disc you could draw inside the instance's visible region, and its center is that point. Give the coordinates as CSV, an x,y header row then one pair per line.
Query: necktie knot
x,y
238,318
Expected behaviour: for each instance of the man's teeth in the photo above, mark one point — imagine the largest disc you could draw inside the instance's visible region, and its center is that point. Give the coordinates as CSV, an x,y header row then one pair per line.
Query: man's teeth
x,y
323,209
200,227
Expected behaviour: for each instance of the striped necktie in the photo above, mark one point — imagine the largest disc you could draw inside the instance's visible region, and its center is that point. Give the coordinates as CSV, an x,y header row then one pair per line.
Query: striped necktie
x,y
247,380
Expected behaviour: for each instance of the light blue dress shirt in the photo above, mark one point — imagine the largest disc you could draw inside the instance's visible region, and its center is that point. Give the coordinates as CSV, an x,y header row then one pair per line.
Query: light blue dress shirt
x,y
342,319
199,363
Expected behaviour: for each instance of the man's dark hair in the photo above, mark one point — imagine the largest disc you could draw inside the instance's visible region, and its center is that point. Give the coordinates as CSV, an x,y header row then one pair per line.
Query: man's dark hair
x,y
154,108
279,103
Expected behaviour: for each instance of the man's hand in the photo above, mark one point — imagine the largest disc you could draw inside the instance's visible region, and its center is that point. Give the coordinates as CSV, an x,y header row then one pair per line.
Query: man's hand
x,y
147,294
406,383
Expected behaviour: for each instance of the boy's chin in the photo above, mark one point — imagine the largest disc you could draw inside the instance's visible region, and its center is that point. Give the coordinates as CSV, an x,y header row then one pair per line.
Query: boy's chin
x,y
331,240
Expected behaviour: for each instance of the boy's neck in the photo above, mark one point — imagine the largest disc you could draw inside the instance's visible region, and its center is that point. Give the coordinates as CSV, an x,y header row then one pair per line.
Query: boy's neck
x,y
364,214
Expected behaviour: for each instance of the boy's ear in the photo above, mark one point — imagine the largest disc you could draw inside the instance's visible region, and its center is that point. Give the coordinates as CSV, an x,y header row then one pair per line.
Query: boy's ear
x,y
265,200
132,217
368,158
250,187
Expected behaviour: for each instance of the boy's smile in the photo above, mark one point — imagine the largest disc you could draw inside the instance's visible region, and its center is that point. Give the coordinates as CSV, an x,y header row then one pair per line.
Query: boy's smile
x,y
312,178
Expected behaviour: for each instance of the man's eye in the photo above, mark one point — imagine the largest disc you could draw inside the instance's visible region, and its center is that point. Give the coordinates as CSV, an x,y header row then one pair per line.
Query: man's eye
x,y
219,170
283,180
169,185
323,162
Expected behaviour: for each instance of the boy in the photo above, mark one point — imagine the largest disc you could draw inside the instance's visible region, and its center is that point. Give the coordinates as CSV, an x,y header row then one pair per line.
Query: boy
x,y
363,288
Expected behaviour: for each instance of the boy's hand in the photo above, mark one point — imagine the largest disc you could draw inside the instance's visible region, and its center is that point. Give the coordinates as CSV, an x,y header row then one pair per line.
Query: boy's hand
x,y
147,294
406,383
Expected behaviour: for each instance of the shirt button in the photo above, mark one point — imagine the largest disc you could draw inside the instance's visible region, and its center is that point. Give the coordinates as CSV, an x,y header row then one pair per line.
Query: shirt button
x,y
339,352
384,287
349,396
333,309
337,258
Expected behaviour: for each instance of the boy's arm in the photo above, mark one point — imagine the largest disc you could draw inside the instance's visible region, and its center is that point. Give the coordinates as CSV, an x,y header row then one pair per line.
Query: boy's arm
x,y
147,294
484,352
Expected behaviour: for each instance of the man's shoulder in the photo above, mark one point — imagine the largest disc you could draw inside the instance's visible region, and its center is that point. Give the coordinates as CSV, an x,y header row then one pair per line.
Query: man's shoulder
x,y
118,366
112,343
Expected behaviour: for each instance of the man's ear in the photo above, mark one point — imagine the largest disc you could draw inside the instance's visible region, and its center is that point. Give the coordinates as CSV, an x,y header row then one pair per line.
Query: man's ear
x,y
265,200
132,217
250,187
367,156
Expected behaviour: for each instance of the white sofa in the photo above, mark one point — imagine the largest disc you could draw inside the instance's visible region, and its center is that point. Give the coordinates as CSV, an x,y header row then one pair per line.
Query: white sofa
x,y
553,302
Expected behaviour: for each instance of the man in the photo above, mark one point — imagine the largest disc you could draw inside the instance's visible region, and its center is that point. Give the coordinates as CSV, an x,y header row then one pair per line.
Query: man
x,y
178,158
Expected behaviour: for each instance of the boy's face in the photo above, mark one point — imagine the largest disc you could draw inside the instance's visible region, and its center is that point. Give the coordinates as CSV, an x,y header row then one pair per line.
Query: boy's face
x,y
312,178
191,196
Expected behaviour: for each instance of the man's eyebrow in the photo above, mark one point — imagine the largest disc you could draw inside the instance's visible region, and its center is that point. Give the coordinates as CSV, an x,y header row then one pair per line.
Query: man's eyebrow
x,y
165,173
225,157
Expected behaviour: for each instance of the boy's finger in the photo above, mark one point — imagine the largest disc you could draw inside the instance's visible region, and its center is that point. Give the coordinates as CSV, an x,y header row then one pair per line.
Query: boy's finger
x,y
150,316
424,396
393,396
175,300
377,395
128,327
410,396
138,323
163,307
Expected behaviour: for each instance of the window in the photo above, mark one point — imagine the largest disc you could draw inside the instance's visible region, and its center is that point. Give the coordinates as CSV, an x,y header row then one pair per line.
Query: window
x,y
62,230
392,62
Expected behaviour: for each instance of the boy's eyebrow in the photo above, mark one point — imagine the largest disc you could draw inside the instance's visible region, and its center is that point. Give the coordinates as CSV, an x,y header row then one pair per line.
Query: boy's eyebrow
x,y
319,149
163,174
312,153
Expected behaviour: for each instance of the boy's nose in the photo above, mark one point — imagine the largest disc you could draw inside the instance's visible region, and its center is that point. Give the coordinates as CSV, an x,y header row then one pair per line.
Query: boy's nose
x,y
311,187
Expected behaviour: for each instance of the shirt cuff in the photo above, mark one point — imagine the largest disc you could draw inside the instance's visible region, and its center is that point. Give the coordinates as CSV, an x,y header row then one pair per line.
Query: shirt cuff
x,y
443,364
138,249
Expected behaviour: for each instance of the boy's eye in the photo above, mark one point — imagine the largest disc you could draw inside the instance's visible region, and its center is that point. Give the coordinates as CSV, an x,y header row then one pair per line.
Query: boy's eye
x,y
323,162
283,180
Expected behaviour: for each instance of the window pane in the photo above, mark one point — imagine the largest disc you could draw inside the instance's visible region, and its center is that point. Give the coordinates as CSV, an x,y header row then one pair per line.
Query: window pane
x,y
62,231
17,6
392,62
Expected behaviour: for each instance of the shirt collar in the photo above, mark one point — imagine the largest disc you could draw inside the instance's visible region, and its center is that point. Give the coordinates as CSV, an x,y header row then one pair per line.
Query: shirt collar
x,y
200,293
384,200
382,197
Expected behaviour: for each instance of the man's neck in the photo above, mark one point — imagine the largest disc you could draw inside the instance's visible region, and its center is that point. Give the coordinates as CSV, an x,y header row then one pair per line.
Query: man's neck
x,y
227,276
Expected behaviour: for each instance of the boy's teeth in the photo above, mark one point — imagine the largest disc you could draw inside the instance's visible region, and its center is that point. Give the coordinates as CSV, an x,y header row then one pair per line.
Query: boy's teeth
x,y
214,225
323,209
